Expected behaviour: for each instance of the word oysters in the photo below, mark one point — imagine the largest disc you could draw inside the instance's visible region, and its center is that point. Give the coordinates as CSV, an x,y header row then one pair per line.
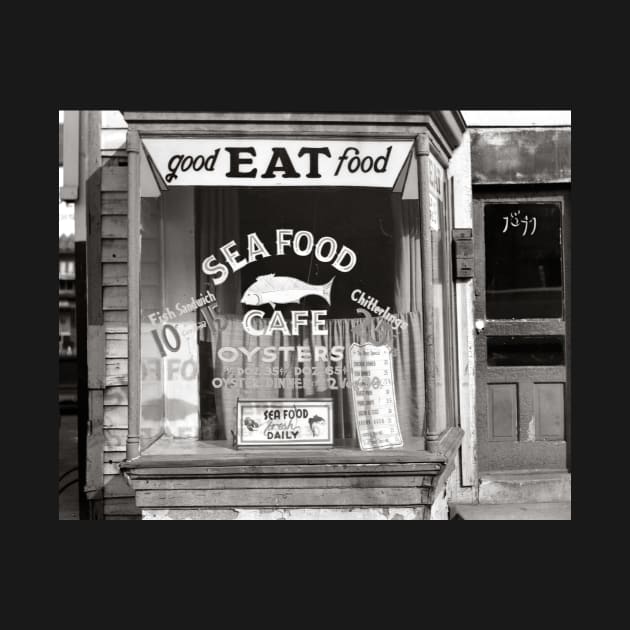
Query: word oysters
x,y
302,243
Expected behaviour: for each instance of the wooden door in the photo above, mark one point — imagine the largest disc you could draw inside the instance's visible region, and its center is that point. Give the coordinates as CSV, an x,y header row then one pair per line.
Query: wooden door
x,y
521,323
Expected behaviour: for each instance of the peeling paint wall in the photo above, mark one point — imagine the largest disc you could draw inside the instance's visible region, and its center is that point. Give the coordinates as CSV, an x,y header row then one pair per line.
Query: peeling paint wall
x,y
439,509
528,155
293,514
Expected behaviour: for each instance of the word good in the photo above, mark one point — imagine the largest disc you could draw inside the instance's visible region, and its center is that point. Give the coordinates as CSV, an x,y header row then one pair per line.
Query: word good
x,y
274,290
302,243
187,162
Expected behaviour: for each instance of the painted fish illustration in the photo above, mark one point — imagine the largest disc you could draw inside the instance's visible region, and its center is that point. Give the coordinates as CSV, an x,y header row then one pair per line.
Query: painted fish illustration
x,y
274,290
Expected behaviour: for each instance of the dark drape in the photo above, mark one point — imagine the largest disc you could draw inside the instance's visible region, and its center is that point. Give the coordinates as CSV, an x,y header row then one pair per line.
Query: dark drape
x,y
218,221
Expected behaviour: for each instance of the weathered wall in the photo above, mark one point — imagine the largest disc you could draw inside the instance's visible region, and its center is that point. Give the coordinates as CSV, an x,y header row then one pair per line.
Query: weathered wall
x,y
521,155
292,514
439,510
118,497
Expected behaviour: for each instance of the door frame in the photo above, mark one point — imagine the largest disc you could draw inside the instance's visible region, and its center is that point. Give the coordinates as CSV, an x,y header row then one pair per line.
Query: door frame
x,y
521,194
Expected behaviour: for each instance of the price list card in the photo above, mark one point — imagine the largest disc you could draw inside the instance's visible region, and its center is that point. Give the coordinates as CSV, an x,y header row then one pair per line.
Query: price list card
x,y
373,396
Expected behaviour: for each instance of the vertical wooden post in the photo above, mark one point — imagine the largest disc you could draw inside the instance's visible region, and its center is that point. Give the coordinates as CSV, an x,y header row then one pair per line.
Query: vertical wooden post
x,y
133,286
431,430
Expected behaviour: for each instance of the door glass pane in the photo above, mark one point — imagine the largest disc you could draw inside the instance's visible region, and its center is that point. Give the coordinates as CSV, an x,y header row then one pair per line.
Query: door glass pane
x,y
523,260
525,350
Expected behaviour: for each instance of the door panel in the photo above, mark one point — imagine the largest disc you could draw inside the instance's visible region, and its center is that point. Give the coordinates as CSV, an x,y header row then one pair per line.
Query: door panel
x,y
502,412
549,410
521,342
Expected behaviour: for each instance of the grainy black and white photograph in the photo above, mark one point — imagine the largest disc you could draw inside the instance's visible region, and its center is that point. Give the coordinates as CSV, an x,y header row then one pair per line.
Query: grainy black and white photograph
x,y
273,315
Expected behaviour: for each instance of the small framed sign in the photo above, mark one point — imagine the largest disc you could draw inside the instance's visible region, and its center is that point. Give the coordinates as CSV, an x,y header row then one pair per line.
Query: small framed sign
x,y
284,422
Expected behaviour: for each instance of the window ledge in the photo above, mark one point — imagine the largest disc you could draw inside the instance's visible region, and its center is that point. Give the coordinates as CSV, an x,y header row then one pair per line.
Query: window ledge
x,y
180,457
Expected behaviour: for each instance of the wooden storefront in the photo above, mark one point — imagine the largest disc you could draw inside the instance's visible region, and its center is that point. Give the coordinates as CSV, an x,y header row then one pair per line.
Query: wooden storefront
x,y
138,465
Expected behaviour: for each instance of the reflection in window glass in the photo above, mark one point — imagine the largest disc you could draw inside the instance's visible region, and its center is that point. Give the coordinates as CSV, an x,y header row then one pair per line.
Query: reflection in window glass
x,y
523,251
220,327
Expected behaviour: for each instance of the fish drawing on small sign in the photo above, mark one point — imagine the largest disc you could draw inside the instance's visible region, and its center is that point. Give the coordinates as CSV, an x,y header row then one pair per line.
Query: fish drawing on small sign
x,y
250,424
315,424
272,289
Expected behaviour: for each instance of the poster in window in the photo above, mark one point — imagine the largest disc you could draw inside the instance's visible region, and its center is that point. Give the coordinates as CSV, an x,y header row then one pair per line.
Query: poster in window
x,y
374,398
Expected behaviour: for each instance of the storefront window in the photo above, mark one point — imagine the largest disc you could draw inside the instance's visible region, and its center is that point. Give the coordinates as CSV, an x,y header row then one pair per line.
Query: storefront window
x,y
260,294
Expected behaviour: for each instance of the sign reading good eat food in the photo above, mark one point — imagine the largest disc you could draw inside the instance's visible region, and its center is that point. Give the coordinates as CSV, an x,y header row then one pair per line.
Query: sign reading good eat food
x,y
284,422
279,162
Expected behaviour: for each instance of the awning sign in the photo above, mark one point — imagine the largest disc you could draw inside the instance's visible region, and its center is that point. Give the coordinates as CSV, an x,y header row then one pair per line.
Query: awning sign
x,y
279,162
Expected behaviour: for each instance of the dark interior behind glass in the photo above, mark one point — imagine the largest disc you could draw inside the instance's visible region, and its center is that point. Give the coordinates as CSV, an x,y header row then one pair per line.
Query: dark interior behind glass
x,y
523,260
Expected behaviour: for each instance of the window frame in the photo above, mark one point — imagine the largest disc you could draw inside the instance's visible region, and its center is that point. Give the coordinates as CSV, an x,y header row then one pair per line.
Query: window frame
x,y
426,141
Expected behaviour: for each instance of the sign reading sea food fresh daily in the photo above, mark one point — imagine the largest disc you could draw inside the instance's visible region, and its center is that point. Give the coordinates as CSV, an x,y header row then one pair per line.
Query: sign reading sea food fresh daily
x,y
284,422
373,397
279,162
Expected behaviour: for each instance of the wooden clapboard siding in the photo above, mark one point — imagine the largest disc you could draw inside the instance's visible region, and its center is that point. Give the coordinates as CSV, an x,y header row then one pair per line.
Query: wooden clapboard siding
x,y
115,417
113,203
121,507
286,497
205,483
114,250
110,469
115,317
96,353
111,460
94,445
118,501
118,395
114,274
115,298
116,329
114,179
114,226
116,372
116,486
115,439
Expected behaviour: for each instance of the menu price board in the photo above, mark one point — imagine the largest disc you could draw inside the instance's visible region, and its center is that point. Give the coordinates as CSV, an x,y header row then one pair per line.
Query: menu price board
x,y
284,422
373,396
